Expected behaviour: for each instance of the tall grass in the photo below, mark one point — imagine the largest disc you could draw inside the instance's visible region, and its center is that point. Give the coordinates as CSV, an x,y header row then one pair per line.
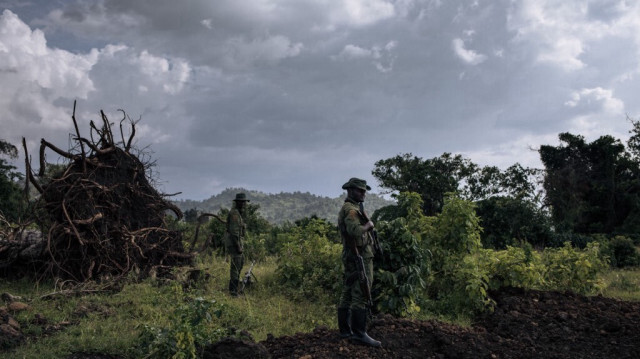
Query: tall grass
x,y
110,323
623,284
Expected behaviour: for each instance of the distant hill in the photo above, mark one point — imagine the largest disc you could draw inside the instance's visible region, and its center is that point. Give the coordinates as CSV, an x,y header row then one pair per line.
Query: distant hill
x,y
284,206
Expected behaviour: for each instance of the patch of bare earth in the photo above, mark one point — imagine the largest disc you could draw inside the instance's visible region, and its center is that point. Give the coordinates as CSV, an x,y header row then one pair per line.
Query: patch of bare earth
x,y
525,324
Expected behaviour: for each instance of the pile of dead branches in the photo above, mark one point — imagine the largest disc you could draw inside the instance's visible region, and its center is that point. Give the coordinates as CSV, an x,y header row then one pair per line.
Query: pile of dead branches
x,y
101,215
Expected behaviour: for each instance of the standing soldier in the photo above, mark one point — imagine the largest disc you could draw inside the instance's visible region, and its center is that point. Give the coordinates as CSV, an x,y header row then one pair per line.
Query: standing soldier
x,y
357,259
234,238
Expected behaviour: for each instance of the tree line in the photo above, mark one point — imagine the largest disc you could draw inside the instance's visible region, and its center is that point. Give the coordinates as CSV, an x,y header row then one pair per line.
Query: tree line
x,y
585,189
278,208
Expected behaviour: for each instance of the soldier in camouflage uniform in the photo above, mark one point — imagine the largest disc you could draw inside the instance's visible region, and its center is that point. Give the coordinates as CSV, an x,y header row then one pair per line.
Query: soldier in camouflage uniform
x,y
234,238
354,226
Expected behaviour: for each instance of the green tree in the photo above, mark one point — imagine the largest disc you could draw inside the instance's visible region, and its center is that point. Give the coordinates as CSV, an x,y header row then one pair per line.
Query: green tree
x,y
433,178
430,178
256,224
191,215
11,199
590,187
508,221
634,140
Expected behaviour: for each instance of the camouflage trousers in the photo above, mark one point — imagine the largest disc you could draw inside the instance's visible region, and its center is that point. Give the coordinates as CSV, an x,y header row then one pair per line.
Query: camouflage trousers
x,y
352,296
237,262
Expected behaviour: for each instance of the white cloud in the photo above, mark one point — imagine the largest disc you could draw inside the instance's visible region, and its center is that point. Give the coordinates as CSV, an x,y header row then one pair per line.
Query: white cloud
x,y
381,57
208,75
208,23
597,111
354,52
561,31
356,12
34,76
468,56
602,98
364,12
267,50
171,75
521,149
25,53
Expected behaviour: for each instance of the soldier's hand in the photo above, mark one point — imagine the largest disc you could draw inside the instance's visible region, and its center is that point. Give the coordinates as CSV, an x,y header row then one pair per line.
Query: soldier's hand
x,y
368,226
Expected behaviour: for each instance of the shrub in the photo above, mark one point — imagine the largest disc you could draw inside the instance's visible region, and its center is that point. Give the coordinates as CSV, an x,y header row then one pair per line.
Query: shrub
x,y
508,221
191,328
399,274
514,267
459,280
623,252
575,239
463,271
254,247
572,269
310,263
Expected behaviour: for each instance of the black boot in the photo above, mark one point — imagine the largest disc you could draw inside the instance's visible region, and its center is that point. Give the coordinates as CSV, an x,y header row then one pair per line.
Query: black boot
x,y
344,322
233,287
359,326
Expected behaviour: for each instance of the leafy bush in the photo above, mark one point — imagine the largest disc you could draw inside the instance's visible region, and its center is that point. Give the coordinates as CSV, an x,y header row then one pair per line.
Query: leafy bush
x,y
514,267
11,198
399,274
309,262
191,328
454,239
572,269
508,221
463,271
575,239
623,252
254,247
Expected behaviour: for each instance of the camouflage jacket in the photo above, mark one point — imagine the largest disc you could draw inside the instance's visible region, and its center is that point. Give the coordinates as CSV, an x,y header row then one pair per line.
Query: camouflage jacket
x,y
350,222
236,228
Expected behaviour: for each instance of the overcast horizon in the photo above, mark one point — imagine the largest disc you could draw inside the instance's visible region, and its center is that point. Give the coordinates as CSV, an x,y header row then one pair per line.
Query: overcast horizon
x,y
300,95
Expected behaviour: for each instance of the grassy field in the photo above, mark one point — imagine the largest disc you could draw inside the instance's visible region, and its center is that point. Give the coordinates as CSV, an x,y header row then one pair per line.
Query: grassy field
x,y
623,284
110,322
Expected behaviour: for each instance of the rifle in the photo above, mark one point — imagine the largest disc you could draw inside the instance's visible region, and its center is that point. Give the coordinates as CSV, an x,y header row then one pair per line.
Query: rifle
x,y
246,281
365,285
374,234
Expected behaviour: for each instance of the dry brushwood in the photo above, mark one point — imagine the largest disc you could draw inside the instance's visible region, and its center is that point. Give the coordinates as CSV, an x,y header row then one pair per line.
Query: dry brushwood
x,y
102,216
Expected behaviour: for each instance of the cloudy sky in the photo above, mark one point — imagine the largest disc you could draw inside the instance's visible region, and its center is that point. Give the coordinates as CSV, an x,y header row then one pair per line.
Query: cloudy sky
x,y
300,95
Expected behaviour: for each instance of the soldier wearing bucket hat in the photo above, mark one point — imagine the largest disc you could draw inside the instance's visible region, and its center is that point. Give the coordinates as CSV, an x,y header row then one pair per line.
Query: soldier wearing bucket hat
x,y
357,259
234,238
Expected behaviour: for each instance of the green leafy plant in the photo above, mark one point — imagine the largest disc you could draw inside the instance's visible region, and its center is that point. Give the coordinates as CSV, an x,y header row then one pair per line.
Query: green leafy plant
x,y
309,262
571,269
514,267
191,328
623,252
399,277
401,272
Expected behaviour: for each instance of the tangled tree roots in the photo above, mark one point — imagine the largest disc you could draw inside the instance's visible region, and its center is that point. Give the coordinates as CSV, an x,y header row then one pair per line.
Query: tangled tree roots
x,y
102,215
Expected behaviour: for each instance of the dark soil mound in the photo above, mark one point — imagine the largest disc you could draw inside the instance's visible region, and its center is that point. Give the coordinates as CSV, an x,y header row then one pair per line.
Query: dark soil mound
x,y
232,348
525,324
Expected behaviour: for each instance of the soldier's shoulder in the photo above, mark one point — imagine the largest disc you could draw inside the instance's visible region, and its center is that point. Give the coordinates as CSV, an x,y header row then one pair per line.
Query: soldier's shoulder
x,y
349,206
350,210
234,214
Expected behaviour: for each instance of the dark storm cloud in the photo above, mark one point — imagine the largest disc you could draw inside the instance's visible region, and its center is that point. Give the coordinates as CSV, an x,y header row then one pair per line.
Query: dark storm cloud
x,y
281,95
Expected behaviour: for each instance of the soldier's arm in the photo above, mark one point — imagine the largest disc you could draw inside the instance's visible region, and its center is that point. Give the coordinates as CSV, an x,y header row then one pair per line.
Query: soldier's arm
x,y
234,226
352,224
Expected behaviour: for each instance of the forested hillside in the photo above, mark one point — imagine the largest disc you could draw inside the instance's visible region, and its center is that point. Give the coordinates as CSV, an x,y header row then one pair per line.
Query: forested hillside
x,y
283,206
